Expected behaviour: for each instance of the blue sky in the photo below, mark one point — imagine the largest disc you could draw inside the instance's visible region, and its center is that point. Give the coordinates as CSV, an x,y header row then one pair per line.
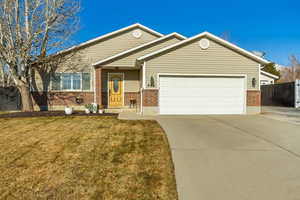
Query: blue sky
x,y
269,26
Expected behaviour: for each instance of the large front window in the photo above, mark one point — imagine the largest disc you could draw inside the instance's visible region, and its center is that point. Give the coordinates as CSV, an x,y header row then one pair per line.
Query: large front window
x,y
66,81
71,81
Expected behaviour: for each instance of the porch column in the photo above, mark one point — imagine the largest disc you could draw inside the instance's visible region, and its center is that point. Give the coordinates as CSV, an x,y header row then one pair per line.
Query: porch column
x,y
98,85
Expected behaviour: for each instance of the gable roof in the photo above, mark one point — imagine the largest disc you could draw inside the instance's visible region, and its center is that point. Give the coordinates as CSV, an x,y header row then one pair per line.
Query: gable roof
x,y
136,25
212,37
176,35
269,74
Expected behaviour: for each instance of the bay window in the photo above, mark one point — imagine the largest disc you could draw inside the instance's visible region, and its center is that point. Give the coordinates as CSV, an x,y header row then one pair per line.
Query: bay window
x,y
71,82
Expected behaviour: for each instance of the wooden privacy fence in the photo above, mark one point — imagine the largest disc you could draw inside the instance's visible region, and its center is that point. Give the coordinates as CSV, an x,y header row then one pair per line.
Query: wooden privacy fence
x,y
297,94
281,94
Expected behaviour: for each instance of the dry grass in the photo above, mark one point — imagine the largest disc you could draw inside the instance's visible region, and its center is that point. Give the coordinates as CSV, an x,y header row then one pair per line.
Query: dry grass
x,y
84,158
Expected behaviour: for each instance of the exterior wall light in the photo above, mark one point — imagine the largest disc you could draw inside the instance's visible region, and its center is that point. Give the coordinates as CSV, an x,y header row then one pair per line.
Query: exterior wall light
x,y
151,82
254,82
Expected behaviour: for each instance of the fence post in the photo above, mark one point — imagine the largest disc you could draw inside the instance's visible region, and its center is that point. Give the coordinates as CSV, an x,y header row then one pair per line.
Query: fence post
x,y
297,94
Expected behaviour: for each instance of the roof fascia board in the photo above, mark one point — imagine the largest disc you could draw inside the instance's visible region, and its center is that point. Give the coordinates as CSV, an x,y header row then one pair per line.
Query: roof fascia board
x,y
148,29
269,74
237,48
213,37
139,47
137,25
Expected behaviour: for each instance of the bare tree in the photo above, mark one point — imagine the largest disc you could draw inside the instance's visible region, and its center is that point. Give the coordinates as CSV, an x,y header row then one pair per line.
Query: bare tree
x,y
226,36
31,30
2,75
295,67
290,74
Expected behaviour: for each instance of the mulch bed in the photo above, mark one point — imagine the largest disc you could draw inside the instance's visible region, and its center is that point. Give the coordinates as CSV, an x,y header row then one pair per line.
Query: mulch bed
x,y
51,114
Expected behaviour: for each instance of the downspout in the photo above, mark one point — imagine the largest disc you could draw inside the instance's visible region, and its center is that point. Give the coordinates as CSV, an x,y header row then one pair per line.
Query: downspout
x,y
143,85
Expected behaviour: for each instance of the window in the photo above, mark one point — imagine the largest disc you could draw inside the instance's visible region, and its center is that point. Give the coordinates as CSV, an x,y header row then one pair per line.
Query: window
x,y
71,81
76,81
66,81
86,81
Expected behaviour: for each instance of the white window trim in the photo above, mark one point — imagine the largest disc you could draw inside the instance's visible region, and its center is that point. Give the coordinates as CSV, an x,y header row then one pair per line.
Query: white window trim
x,y
72,90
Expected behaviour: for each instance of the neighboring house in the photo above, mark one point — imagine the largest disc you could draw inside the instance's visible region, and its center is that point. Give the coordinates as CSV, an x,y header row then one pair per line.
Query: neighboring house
x,y
267,78
160,74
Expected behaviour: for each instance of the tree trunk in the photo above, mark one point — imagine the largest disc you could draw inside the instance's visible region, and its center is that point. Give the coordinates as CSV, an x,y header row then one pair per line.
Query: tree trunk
x,y
27,104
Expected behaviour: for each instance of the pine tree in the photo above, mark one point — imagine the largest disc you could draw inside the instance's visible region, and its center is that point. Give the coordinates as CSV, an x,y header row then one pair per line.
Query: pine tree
x,y
270,68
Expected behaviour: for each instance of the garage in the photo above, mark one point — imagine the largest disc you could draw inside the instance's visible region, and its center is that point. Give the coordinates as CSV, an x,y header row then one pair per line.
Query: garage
x,y
188,95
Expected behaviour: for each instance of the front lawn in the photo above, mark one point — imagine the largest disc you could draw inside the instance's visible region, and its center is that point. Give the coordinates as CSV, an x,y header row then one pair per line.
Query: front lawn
x,y
84,158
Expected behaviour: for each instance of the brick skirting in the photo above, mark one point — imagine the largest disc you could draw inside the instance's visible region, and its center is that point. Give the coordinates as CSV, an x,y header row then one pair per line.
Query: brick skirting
x,y
150,97
62,98
132,95
98,85
253,98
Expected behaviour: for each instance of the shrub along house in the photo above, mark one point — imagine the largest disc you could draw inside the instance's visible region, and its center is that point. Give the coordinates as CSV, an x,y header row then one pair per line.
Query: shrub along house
x,y
159,74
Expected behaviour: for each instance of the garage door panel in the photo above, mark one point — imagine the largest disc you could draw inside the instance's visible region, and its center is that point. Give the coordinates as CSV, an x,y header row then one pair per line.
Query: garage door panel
x,y
194,105
205,93
202,95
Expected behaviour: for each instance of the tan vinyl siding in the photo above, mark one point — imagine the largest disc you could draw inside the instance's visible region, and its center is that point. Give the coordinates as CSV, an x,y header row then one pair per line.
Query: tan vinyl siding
x,y
129,60
83,58
115,45
191,59
131,80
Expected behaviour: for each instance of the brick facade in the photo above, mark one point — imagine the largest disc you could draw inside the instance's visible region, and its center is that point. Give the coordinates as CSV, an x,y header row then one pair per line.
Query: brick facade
x,y
253,98
62,98
150,97
98,85
132,95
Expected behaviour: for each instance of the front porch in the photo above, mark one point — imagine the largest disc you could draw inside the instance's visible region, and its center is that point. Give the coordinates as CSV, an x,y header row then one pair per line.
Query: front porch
x,y
118,90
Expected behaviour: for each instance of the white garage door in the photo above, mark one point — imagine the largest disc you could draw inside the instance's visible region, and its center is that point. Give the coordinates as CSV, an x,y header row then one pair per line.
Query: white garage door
x,y
201,95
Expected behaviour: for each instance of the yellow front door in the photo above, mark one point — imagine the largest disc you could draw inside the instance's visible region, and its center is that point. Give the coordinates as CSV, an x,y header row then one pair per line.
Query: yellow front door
x,y
115,86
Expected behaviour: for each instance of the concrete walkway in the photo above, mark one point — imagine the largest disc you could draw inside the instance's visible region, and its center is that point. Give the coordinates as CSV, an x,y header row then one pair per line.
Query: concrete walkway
x,y
234,157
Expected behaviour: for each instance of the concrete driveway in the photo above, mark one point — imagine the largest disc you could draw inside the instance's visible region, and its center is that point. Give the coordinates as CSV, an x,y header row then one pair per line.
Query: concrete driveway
x,y
287,114
234,157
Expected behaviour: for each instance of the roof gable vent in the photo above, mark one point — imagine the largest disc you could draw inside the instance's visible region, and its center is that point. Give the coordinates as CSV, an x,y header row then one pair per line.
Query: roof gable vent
x,y
137,33
204,43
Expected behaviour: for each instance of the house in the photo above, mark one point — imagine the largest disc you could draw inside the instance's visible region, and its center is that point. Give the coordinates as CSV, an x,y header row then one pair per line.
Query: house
x,y
267,78
157,74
